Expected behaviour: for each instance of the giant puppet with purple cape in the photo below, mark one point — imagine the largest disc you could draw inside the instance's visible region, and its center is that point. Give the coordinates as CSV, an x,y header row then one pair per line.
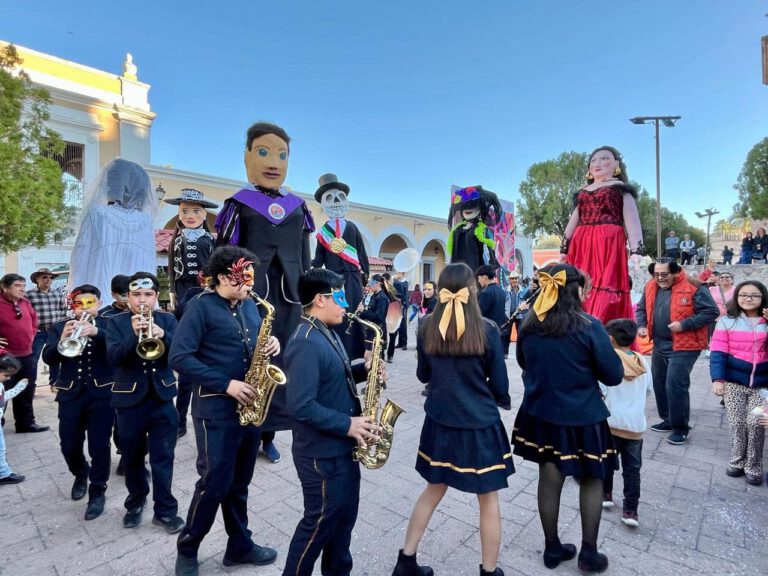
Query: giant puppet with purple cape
x,y
275,225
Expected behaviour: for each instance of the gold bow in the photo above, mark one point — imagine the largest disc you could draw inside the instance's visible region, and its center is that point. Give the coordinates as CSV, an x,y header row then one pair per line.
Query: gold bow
x,y
550,286
454,300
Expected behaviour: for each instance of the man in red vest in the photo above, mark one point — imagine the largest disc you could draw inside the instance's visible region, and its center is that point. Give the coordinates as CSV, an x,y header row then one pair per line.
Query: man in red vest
x,y
674,312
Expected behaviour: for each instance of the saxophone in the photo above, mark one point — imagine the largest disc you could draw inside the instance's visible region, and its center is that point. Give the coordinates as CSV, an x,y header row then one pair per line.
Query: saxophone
x,y
262,377
375,455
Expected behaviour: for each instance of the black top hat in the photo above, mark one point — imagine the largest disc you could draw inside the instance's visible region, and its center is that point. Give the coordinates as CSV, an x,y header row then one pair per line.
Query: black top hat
x,y
193,197
42,272
328,182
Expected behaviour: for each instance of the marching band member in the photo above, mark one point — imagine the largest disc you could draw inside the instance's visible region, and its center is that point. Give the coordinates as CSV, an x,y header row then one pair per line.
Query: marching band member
x,y
143,394
323,403
218,329
83,393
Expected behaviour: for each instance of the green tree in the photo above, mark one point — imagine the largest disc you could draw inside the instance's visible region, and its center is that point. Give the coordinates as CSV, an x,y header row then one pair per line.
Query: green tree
x,y
547,194
752,183
646,207
31,189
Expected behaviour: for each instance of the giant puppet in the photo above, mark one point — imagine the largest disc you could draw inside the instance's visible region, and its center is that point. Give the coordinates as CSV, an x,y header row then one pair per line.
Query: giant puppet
x,y
340,248
473,212
274,224
595,239
191,244
116,233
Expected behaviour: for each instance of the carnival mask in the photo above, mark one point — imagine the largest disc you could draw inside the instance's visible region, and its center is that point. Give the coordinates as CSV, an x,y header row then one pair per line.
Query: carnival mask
x,y
266,163
335,203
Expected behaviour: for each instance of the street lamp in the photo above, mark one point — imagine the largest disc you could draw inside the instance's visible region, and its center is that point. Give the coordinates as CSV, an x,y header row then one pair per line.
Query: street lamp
x,y
160,191
708,213
669,122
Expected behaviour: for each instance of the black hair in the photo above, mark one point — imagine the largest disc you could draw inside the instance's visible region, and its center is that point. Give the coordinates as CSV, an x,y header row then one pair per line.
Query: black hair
x,y
617,155
485,270
88,289
732,308
221,261
387,276
674,267
262,129
119,284
623,330
318,281
454,277
148,275
7,280
9,364
567,315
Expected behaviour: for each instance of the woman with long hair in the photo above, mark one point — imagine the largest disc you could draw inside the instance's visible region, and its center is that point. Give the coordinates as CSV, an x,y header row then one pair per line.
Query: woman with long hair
x,y
760,246
562,421
738,366
605,215
463,442
429,300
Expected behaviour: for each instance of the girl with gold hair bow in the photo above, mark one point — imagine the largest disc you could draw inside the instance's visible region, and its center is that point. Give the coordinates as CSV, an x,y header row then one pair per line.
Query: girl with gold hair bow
x,y
463,441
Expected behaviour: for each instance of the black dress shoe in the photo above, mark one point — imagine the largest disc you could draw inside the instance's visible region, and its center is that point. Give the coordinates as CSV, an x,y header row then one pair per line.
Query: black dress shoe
x,y
132,517
12,478
186,566
258,556
95,506
172,524
79,487
34,427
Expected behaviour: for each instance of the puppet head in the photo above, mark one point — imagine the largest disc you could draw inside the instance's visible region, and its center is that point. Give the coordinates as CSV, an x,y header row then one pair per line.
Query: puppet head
x,y
192,208
332,195
266,155
474,204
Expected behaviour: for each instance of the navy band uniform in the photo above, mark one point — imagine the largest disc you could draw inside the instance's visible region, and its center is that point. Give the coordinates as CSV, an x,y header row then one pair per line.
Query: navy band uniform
x,y
143,394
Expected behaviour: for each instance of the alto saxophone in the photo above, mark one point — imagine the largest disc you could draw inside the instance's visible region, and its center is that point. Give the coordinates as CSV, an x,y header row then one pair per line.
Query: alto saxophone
x,y
375,455
262,377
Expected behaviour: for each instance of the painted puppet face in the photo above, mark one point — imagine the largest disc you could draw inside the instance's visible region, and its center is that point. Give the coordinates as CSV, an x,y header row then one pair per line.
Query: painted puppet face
x,y
335,203
602,165
266,163
191,215
470,213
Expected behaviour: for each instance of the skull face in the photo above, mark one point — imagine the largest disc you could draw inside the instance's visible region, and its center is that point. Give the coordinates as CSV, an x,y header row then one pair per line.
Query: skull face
x,y
334,203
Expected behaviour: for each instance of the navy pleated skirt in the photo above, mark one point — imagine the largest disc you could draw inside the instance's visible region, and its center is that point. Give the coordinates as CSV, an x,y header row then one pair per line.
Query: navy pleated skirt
x,y
581,451
476,461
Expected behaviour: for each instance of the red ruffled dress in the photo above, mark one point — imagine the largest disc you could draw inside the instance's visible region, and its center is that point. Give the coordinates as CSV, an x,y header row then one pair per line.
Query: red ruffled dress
x,y
599,248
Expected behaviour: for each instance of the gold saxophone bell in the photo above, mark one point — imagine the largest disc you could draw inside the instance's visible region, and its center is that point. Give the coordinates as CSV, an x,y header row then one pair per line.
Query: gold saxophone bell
x,y
149,347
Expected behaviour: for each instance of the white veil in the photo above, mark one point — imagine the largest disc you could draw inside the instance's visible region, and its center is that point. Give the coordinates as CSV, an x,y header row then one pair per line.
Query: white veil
x,y
125,183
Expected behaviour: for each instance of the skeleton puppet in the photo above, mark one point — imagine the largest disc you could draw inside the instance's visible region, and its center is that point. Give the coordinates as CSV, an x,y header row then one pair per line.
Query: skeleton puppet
x,y
340,248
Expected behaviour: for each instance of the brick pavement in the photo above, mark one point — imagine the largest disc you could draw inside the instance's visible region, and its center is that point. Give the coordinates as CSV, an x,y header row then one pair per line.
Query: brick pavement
x,y
693,518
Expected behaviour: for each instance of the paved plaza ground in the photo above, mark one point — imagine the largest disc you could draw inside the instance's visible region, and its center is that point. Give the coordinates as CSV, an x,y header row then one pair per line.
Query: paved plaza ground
x,y
693,518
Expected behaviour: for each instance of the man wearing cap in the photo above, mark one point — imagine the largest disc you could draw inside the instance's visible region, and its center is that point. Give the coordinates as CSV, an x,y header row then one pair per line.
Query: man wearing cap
x,y
18,326
213,347
51,307
191,244
327,425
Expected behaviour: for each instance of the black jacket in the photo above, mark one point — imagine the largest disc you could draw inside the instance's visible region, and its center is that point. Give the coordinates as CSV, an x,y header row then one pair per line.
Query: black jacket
x,y
134,375
492,302
88,373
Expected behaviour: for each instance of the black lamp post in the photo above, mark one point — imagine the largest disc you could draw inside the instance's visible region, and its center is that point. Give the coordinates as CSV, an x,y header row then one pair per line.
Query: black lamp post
x,y
669,122
708,213
160,191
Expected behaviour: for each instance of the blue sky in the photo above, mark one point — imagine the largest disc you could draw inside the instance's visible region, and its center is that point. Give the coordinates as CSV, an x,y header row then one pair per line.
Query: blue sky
x,y
401,99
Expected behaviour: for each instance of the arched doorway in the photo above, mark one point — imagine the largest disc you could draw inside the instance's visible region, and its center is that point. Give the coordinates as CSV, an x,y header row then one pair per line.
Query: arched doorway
x,y
391,246
433,260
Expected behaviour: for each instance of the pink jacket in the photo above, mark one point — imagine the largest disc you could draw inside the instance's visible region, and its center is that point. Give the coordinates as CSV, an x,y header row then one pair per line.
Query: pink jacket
x,y
738,351
717,296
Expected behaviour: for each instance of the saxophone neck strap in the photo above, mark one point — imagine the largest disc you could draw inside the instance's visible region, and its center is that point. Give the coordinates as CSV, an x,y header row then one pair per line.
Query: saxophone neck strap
x,y
333,339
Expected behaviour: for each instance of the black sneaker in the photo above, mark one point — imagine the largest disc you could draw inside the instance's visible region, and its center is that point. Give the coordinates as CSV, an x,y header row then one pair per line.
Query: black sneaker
x,y
677,438
258,556
734,472
661,427
172,524
754,479
12,478
132,517
186,566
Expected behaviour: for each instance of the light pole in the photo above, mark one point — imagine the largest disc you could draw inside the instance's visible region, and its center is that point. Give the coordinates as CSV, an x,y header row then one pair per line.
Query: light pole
x,y
708,213
669,122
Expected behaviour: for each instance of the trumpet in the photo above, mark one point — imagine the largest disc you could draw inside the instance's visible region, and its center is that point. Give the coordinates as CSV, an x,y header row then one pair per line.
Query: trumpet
x,y
74,345
149,347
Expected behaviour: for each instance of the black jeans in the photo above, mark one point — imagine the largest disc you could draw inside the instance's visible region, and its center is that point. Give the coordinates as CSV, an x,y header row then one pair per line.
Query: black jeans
x,y
671,381
631,452
23,412
331,488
